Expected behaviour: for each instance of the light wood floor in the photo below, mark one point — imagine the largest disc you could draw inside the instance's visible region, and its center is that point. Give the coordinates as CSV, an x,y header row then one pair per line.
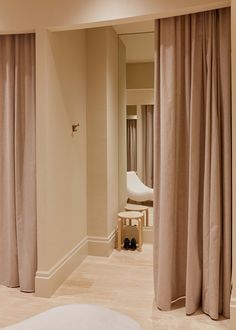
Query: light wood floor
x,y
122,282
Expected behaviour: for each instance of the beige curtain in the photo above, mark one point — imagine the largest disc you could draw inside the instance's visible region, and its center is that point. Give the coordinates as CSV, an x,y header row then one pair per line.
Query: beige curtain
x,y
17,161
131,145
192,252
147,144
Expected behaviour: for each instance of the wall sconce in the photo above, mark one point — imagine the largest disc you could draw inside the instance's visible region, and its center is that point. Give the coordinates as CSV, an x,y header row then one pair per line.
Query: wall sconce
x,y
75,128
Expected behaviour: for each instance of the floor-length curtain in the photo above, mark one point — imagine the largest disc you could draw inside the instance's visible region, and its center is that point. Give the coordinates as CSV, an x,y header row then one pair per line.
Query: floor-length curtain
x,y
147,144
192,252
17,161
131,145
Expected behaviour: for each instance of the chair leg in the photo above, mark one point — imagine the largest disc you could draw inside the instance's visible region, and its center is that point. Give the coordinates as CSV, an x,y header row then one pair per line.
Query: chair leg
x,y
147,217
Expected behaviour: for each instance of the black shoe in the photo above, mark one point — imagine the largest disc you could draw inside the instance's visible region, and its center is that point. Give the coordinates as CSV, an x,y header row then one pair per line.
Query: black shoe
x,y
133,244
126,243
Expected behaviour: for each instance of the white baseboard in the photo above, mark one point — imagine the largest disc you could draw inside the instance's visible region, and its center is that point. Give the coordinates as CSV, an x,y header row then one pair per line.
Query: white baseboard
x,y
46,282
101,246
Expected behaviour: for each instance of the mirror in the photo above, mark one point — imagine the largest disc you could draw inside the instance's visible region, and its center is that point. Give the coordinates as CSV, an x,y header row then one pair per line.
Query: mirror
x,y
138,39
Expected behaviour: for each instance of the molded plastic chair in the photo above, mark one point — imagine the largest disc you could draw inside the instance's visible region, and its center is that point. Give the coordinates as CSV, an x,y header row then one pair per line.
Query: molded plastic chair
x,y
77,317
137,190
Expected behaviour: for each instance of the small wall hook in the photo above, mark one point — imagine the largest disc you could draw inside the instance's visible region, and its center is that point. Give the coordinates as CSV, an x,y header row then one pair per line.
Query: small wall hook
x,y
75,127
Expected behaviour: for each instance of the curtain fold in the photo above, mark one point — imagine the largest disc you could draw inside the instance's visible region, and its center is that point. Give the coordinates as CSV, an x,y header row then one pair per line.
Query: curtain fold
x,y
192,174
147,144
17,162
131,145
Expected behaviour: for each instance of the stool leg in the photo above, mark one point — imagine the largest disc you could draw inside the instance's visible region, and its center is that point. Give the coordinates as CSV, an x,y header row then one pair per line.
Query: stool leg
x,y
119,235
140,234
147,217
142,225
144,218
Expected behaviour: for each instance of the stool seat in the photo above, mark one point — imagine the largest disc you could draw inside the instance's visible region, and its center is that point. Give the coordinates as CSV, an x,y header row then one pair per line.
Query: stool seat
x,y
130,215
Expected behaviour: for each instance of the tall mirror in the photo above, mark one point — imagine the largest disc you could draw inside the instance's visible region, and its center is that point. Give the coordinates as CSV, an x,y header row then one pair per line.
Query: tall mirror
x,y
138,39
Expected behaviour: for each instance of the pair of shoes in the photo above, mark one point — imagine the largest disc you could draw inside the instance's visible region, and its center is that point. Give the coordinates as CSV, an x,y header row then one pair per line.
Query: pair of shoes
x,y
133,244
130,244
126,243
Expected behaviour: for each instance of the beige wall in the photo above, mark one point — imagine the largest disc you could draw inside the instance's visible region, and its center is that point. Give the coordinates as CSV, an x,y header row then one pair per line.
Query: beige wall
x,y
97,132
131,110
61,157
140,84
139,96
140,75
102,128
122,126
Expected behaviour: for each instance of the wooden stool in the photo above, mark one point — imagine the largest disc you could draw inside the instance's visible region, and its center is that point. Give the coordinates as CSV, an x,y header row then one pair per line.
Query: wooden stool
x,y
139,208
130,216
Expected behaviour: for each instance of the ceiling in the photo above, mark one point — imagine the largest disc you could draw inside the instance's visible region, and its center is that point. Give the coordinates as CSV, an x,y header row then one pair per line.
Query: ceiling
x,y
138,39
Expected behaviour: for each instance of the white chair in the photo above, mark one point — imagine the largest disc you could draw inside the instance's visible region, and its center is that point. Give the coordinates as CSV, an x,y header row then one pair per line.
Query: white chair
x,y
77,317
136,190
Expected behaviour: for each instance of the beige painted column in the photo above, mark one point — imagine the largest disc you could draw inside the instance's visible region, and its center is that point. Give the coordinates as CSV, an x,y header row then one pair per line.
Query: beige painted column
x,y
233,34
102,139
